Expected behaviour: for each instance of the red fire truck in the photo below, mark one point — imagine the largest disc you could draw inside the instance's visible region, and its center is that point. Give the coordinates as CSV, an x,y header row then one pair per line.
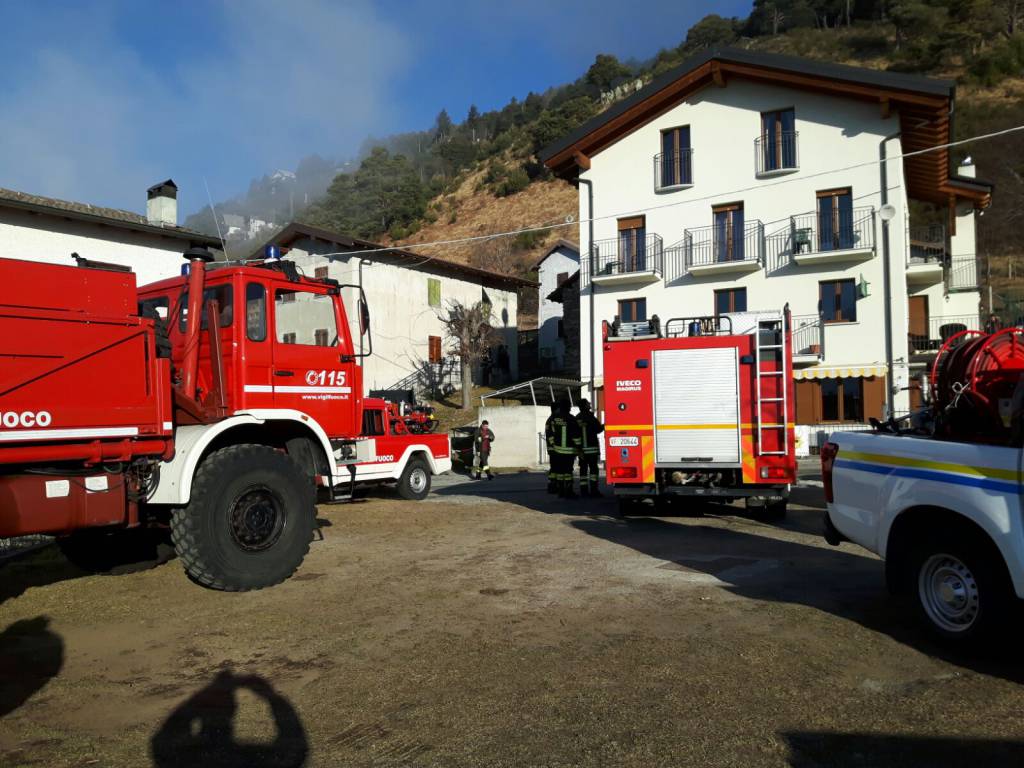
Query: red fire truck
x,y
213,403
406,457
701,406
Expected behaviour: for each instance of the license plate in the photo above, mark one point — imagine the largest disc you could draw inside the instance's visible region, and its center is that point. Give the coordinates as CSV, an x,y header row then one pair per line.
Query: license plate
x,y
623,442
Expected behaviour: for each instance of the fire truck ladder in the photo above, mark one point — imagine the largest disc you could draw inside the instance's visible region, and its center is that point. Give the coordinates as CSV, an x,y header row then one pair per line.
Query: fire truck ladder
x,y
771,330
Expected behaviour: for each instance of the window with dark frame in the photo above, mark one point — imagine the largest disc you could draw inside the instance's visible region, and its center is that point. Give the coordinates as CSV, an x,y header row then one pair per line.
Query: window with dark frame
x,y
320,273
675,157
842,400
632,310
778,140
835,219
632,244
562,277
320,337
288,338
730,300
838,301
728,232
561,328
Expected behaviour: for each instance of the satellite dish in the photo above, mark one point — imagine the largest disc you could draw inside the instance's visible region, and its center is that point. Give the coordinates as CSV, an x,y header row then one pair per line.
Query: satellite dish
x,y
887,212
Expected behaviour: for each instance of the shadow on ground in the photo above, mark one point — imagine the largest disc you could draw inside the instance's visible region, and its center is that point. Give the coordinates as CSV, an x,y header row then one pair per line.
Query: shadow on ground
x,y
838,581
31,654
201,730
127,552
856,750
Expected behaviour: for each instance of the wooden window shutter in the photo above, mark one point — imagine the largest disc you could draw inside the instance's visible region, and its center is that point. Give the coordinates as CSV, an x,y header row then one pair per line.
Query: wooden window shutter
x,y
633,222
874,397
434,352
808,402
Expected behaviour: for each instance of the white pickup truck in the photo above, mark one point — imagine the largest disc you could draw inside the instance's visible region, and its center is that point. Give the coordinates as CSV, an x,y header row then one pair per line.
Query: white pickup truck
x,y
947,518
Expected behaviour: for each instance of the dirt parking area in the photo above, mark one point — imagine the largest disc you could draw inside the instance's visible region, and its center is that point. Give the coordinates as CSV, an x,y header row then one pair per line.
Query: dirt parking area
x,y
492,625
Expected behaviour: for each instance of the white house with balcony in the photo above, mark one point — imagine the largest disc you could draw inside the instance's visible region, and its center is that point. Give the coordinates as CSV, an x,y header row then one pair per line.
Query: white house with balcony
x,y
744,181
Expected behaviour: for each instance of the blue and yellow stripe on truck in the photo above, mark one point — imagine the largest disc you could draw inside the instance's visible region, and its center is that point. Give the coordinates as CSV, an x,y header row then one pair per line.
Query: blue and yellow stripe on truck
x,y
987,478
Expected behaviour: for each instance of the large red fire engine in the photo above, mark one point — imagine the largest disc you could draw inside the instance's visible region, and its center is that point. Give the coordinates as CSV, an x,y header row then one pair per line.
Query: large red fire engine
x,y
701,406
214,403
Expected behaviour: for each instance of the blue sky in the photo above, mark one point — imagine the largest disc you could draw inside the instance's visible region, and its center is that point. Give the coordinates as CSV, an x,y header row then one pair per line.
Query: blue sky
x,y
102,99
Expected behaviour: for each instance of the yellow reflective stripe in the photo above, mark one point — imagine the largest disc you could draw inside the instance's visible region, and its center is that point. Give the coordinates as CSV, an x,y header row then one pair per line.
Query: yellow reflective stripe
x,y
628,426
941,466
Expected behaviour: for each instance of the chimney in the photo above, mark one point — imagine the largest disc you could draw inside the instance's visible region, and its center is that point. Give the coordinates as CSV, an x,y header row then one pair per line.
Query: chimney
x,y
162,204
967,169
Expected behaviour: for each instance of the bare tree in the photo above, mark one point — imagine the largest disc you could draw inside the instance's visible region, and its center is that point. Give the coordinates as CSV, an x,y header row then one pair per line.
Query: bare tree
x,y
470,335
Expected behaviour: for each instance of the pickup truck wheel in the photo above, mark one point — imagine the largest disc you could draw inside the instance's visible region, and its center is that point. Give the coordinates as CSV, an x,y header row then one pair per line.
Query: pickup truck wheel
x,y
959,588
414,484
250,521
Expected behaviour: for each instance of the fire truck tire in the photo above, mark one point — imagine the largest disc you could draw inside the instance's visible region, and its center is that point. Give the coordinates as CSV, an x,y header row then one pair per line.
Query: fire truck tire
x,y
414,484
249,522
628,506
767,511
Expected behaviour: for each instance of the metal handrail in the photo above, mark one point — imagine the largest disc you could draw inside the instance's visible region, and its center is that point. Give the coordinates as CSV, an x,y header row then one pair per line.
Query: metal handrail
x,y
673,169
705,246
782,154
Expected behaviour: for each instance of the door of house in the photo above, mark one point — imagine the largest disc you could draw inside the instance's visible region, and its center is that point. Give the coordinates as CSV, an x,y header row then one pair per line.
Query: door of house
x,y
632,244
728,235
918,325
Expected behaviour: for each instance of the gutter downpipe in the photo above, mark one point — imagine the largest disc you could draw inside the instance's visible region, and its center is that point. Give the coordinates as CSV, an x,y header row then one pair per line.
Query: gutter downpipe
x,y
890,398
590,267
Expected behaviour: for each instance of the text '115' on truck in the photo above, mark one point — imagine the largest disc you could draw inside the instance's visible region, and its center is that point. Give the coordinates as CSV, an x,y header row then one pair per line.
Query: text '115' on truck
x,y
701,407
216,403
938,494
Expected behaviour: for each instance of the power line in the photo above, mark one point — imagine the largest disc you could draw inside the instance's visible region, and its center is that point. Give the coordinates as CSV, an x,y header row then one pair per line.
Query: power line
x,y
571,222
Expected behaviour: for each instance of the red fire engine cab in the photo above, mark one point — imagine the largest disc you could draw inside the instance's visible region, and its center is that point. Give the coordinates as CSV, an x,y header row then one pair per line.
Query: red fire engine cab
x,y
701,406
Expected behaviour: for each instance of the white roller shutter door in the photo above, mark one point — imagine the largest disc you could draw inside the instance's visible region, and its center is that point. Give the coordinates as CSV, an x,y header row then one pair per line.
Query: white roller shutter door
x,y
696,406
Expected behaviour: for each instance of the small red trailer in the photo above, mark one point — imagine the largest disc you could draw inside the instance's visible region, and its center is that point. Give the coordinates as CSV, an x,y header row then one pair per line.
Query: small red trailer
x,y
701,406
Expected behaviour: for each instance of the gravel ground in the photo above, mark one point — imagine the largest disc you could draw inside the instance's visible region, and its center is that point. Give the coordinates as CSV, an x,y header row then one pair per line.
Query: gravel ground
x,y
491,625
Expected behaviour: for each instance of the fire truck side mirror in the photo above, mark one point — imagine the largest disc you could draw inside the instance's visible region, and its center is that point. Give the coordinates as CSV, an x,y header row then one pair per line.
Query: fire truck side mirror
x,y
364,317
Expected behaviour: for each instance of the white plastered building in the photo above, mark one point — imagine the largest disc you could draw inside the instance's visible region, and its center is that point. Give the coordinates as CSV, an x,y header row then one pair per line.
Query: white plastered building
x,y
45,229
561,262
746,181
408,294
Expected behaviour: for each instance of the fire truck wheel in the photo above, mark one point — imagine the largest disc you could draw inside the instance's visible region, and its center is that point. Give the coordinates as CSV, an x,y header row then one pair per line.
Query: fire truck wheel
x,y
414,484
250,521
767,510
628,506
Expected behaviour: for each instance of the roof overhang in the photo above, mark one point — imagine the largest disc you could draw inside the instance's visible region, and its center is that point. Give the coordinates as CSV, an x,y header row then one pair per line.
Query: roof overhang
x,y
924,106
174,233
296,231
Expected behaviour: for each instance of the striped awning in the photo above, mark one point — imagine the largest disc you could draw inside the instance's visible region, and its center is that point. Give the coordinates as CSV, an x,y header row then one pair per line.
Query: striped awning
x,y
839,372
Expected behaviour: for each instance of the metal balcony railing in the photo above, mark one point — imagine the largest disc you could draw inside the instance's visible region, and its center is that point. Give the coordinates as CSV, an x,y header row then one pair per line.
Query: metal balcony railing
x,y
940,328
623,255
813,233
927,244
808,335
705,246
673,169
962,273
778,153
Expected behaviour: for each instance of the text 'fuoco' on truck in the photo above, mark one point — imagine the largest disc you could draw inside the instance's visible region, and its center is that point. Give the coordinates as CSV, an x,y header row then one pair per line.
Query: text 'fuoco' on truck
x,y
701,407
215,403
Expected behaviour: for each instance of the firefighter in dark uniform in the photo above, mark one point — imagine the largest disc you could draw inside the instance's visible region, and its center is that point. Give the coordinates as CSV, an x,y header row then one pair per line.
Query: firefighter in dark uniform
x,y
563,433
549,437
590,449
482,446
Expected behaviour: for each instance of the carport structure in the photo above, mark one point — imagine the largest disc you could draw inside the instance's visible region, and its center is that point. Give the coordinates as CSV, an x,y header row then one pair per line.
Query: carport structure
x,y
543,390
